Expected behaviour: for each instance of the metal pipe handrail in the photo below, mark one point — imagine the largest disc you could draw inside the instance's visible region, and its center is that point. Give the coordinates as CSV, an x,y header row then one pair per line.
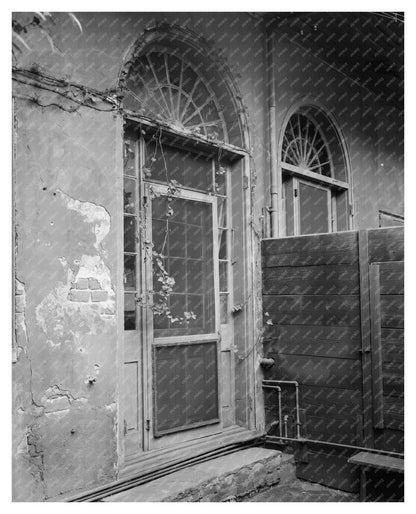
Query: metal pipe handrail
x,y
337,445
279,400
296,384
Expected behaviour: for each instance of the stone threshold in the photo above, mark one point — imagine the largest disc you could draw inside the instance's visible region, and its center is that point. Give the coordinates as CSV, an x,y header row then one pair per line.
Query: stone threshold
x,y
222,479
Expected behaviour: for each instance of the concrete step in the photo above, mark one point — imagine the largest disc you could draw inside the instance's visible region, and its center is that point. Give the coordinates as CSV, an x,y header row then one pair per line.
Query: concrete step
x,y
222,479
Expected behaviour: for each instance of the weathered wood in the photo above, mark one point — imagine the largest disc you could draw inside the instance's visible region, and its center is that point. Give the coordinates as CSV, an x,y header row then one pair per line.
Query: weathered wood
x,y
394,413
311,280
329,468
376,348
391,439
339,342
333,429
374,460
392,382
392,278
313,310
317,243
312,347
392,335
393,353
340,373
330,396
312,258
365,338
386,244
392,311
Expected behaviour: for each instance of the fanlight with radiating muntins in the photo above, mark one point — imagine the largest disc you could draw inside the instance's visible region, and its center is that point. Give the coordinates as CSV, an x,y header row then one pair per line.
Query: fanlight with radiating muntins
x,y
304,146
165,87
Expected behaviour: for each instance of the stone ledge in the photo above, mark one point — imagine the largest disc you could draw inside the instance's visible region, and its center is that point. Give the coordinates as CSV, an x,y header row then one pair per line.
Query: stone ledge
x,y
218,480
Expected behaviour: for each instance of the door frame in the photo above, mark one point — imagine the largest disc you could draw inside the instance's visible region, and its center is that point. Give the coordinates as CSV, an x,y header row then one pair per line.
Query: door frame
x,y
248,413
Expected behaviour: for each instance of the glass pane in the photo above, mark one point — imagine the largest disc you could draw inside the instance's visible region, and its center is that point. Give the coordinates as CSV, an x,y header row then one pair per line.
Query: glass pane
x,y
288,188
222,211
220,180
129,234
222,244
164,163
189,261
223,265
313,207
129,311
129,158
223,308
177,270
129,195
130,272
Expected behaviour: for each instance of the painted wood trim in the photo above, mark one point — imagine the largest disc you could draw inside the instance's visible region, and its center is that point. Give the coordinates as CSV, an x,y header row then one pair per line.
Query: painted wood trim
x,y
376,348
365,339
306,174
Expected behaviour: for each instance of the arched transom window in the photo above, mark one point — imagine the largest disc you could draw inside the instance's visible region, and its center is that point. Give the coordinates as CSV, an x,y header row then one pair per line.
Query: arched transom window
x,y
305,146
314,175
165,87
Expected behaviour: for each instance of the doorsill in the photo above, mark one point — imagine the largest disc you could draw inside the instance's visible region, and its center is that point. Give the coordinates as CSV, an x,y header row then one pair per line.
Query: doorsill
x,y
149,461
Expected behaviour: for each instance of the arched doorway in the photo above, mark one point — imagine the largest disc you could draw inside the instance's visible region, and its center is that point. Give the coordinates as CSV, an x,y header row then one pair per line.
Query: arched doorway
x,y
315,178
184,242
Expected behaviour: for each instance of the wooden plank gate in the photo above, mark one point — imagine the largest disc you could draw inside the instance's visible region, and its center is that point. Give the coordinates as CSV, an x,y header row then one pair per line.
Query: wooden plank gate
x,y
334,316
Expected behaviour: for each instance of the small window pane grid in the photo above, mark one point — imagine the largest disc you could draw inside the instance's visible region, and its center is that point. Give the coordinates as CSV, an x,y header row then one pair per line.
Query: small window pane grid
x,y
130,232
185,240
304,146
166,165
222,187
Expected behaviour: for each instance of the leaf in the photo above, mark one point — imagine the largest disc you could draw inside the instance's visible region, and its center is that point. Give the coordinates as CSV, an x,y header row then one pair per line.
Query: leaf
x,y
21,40
75,20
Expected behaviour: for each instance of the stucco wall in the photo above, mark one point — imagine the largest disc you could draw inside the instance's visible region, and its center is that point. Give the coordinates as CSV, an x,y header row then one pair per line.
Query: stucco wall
x,y
372,130
64,380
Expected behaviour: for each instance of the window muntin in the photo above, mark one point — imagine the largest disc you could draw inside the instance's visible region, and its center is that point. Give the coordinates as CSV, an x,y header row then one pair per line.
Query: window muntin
x,y
164,86
164,163
130,232
304,145
185,240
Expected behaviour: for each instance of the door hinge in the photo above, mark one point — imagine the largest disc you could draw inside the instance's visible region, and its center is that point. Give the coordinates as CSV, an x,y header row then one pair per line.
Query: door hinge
x,y
147,424
125,427
295,193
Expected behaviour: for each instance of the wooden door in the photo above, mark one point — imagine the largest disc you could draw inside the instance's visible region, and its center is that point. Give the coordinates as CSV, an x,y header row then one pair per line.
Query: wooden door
x,y
182,346
387,342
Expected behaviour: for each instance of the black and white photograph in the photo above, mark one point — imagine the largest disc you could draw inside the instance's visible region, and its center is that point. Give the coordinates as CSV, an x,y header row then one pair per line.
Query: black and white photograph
x,y
206,214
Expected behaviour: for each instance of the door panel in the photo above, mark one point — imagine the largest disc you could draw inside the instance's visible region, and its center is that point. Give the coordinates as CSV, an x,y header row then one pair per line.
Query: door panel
x,y
185,384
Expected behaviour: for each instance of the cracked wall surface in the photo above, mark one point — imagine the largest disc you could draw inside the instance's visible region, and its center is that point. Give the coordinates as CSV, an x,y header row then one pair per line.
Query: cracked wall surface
x,y
66,178
64,377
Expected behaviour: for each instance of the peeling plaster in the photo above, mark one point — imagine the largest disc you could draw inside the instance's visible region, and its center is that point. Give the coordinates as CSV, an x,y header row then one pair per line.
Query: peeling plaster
x,y
95,214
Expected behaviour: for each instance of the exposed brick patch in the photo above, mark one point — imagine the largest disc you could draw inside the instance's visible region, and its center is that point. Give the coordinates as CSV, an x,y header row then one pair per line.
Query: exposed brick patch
x,y
79,296
99,296
93,283
82,283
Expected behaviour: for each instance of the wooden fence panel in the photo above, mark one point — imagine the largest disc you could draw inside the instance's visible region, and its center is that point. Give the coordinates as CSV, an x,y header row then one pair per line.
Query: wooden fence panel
x,y
319,296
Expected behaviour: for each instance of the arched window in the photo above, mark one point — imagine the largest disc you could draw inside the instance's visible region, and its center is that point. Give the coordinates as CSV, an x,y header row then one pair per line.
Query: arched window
x,y
166,87
314,175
